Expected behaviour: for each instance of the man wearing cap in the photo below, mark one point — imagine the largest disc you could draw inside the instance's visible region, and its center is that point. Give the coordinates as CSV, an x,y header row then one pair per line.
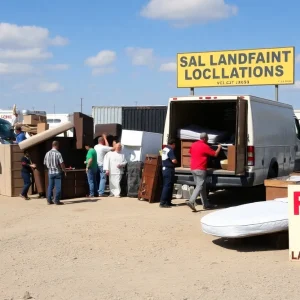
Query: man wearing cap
x,y
200,152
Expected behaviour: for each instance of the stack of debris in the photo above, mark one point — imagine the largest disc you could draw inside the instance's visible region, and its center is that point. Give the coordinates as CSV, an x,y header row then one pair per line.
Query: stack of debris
x,y
34,123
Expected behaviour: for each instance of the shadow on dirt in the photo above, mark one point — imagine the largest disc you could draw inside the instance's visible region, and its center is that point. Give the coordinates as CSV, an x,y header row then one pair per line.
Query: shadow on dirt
x,y
237,196
270,242
81,201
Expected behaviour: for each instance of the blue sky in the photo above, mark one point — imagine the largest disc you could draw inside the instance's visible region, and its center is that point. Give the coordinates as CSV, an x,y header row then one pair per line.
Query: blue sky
x,y
122,52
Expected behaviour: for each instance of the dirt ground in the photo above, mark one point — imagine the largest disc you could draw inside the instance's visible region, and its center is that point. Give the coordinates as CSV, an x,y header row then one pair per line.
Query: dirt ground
x,y
128,249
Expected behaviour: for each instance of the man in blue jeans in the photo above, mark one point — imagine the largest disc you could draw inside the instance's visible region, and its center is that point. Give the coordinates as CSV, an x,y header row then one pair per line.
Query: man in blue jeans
x,y
55,164
169,162
91,169
102,148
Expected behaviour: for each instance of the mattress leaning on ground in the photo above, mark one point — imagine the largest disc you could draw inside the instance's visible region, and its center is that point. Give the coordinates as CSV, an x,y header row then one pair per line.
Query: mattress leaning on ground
x,y
248,220
193,132
43,136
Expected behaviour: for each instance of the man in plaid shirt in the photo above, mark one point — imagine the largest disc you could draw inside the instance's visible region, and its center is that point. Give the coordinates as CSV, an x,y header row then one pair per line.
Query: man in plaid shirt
x,y
55,164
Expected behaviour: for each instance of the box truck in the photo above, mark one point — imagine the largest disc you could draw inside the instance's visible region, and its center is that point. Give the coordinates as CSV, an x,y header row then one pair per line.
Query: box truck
x,y
260,138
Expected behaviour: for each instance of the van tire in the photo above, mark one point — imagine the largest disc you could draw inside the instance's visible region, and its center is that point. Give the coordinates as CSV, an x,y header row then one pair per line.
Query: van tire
x,y
273,171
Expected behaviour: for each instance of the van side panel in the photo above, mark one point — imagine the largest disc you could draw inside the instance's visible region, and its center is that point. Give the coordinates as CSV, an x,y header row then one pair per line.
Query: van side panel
x,y
273,138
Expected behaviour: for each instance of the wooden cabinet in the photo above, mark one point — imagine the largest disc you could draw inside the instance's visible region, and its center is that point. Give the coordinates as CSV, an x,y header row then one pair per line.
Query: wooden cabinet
x,y
231,157
74,185
11,182
84,129
278,187
151,183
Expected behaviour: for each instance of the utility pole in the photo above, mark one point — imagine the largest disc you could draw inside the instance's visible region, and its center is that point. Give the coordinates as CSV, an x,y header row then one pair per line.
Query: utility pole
x,y
81,104
136,103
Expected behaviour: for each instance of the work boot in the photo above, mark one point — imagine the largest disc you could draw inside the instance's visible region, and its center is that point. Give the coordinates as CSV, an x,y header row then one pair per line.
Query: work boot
x,y
164,206
191,206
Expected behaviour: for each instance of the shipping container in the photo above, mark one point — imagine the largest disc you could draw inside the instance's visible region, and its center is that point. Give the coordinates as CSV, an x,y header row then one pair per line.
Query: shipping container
x,y
107,114
144,118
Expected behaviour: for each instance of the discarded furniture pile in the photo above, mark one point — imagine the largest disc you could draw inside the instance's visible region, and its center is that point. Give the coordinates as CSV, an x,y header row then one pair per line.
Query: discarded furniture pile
x,y
71,148
142,177
34,123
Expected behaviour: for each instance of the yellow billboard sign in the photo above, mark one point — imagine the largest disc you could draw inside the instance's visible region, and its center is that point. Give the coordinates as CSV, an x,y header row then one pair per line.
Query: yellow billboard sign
x,y
272,66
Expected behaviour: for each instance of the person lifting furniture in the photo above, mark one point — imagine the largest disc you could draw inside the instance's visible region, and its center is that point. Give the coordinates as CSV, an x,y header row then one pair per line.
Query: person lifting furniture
x,y
200,152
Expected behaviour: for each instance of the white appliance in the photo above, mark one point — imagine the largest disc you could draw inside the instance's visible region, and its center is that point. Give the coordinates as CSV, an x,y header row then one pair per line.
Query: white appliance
x,y
137,144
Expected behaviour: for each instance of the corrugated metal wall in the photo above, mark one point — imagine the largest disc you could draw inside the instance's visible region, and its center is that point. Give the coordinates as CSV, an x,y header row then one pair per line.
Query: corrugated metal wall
x,y
144,118
107,114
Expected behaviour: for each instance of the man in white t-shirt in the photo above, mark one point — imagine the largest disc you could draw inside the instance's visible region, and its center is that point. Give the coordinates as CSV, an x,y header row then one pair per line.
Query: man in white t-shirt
x,y
102,148
114,164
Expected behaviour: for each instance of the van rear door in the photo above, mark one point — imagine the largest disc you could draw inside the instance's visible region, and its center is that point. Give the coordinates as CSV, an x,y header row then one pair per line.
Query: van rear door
x,y
241,136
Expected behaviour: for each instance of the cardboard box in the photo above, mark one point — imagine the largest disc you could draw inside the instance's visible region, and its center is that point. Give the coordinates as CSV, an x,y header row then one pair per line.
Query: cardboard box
x,y
34,119
41,127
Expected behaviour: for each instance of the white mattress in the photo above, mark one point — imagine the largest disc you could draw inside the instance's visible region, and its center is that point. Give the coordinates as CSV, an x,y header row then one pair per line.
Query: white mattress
x,y
43,136
193,132
248,220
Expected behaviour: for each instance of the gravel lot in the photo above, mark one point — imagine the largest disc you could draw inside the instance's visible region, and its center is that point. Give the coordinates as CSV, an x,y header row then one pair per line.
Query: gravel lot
x,y
126,249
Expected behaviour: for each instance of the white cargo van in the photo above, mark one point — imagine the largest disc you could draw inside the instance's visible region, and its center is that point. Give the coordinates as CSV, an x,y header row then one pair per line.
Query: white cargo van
x,y
56,119
263,134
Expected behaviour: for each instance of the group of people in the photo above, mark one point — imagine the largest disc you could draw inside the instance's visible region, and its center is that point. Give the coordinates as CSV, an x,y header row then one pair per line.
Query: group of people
x,y
200,152
108,161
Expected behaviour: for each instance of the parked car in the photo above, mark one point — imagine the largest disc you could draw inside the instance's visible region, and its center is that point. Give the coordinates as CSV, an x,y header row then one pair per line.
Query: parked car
x,y
6,132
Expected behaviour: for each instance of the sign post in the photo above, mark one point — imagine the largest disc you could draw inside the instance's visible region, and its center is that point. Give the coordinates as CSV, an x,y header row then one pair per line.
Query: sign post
x,y
268,66
276,92
294,222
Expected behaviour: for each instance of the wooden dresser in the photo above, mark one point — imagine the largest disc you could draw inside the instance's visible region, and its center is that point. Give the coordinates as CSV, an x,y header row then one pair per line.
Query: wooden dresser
x,y
74,185
185,155
151,182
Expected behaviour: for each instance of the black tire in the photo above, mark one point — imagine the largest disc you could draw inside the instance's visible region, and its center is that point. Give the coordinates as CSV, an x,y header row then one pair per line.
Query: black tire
x,y
273,171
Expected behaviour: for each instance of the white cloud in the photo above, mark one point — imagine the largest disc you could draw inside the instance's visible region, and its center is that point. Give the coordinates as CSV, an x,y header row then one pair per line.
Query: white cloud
x,y
13,36
296,86
25,44
24,54
103,58
50,87
36,85
168,67
58,67
189,11
298,58
102,71
140,56
59,41
15,69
